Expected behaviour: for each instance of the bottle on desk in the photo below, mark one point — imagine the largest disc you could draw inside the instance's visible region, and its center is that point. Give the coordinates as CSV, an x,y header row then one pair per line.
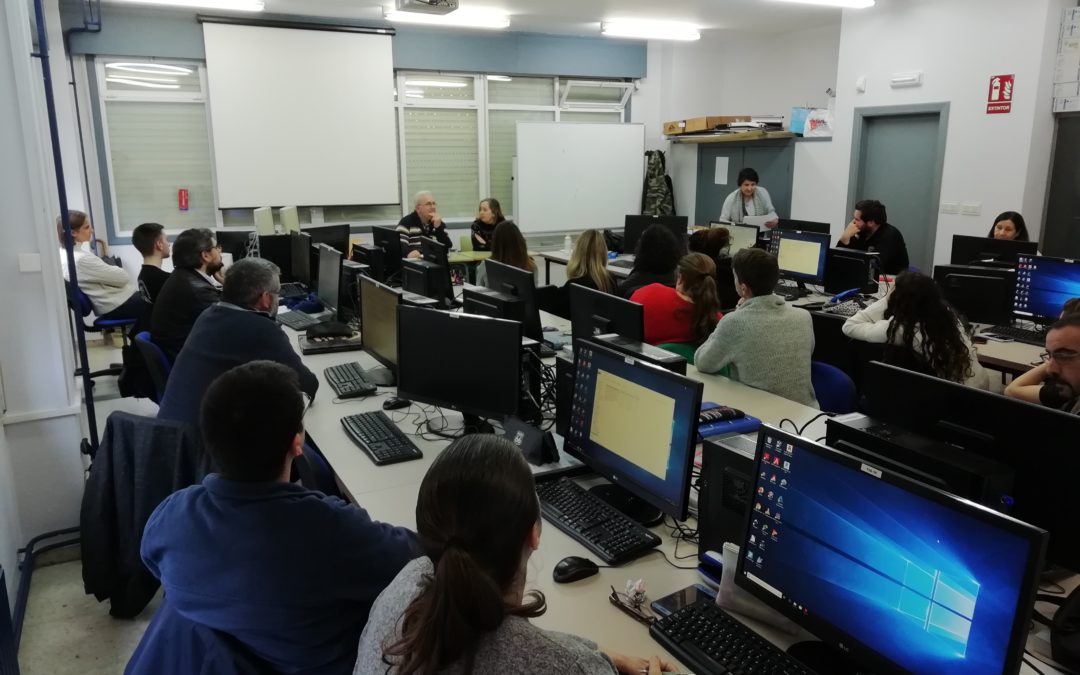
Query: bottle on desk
x,y
567,244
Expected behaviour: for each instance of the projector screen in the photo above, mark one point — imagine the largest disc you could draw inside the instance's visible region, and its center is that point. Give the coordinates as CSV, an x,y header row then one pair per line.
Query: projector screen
x,y
301,117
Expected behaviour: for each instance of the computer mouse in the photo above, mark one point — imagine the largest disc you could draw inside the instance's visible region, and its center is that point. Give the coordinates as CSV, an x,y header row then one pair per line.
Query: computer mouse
x,y
395,403
573,568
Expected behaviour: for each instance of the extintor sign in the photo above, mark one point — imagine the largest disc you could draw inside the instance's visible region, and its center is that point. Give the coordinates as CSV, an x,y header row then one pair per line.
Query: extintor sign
x,y
182,199
999,98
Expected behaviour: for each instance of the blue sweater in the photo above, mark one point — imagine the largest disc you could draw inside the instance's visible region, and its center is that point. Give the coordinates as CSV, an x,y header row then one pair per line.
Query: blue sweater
x,y
225,336
288,573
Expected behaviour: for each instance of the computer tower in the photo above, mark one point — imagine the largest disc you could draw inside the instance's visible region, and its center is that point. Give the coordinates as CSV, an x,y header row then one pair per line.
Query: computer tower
x,y
531,390
486,302
725,488
349,293
564,391
372,256
643,352
426,278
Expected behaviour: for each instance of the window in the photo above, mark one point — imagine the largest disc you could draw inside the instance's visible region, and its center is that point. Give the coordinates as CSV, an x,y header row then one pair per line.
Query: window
x,y
943,604
441,155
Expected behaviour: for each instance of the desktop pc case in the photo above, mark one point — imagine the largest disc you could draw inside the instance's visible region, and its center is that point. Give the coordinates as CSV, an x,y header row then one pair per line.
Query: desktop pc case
x,y
724,491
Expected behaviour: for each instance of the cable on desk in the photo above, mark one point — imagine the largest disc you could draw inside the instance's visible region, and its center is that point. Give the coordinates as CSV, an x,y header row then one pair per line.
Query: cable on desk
x,y
794,427
812,420
668,561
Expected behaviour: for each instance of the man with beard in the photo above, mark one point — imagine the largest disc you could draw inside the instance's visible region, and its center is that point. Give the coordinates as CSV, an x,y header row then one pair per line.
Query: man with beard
x,y
239,329
190,289
1056,382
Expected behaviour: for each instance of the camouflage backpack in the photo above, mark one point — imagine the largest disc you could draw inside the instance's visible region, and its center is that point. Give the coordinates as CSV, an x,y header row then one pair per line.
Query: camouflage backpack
x,y
657,195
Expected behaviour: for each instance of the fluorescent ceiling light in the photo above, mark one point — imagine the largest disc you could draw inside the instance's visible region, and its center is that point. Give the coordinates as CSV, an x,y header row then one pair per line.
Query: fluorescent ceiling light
x,y
448,84
235,5
650,30
141,83
850,4
460,18
150,68
499,78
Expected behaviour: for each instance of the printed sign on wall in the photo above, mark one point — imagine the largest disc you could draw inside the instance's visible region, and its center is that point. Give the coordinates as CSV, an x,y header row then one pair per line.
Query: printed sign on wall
x,y
999,98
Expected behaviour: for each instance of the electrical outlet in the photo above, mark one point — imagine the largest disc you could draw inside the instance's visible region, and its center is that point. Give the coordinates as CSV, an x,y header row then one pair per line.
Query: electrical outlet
x,y
970,208
950,207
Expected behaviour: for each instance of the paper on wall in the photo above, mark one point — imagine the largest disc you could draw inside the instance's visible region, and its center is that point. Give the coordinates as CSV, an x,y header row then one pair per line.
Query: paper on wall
x,y
721,171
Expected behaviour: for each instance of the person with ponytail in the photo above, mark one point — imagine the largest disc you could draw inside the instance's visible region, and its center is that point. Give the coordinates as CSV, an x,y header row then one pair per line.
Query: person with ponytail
x,y
463,607
687,313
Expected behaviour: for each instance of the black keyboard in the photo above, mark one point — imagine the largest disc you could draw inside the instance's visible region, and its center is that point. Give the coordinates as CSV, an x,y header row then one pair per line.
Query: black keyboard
x,y
593,522
349,380
297,320
1028,337
380,438
707,639
293,290
627,263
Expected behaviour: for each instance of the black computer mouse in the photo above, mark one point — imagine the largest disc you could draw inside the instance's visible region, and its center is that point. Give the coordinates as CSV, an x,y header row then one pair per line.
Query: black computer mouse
x,y
573,568
395,403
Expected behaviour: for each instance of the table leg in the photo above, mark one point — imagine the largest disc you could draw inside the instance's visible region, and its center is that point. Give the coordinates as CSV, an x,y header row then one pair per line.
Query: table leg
x,y
547,271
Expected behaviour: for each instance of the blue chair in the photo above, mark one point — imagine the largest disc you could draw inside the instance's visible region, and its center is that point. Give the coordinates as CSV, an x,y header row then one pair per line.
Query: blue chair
x,y
835,391
156,362
79,303
315,472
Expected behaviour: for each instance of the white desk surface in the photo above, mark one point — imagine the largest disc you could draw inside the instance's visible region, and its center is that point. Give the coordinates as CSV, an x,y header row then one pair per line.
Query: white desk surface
x,y
1013,357
563,257
389,495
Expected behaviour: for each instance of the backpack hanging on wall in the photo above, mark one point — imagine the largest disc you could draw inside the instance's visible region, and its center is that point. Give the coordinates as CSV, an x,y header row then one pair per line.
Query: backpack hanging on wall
x,y
657,195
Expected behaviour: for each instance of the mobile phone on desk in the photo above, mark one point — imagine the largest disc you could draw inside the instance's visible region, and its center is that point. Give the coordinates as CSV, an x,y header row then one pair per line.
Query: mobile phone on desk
x,y
669,604
994,337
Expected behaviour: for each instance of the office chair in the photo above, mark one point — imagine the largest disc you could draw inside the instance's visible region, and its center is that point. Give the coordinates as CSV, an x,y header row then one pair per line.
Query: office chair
x,y
835,391
156,362
81,307
683,349
465,242
315,472
553,300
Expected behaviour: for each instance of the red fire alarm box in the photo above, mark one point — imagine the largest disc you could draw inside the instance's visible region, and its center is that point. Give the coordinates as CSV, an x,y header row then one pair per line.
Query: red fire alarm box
x,y
182,199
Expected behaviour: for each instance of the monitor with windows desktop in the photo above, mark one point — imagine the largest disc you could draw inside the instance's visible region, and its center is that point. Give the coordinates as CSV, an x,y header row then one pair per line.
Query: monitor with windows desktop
x,y
890,574
740,236
801,257
968,250
520,284
335,236
594,312
1043,284
634,225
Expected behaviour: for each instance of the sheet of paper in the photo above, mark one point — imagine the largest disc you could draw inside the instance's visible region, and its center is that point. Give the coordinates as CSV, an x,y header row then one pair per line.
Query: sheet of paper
x,y
721,171
757,220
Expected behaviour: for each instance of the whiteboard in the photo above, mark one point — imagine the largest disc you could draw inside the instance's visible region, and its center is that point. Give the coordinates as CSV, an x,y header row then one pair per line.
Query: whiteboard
x,y
578,176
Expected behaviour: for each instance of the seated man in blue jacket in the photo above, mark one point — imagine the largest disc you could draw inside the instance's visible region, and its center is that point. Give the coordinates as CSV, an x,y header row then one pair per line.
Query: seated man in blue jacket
x,y
236,330
258,570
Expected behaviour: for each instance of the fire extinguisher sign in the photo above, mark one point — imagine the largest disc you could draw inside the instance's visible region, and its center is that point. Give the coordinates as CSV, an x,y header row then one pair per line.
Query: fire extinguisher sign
x,y
182,199
999,98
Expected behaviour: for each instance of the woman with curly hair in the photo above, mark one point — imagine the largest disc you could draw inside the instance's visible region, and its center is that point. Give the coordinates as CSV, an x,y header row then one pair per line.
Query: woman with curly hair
x,y
655,259
918,323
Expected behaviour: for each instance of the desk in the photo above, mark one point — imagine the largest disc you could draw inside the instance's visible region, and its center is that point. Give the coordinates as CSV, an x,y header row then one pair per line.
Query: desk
x,y
563,257
1009,357
389,494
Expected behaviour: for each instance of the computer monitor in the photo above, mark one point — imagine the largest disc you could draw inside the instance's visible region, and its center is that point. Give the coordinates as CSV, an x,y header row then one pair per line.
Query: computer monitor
x,y
1043,284
801,256
329,287
846,268
520,284
300,244
635,225
388,240
594,312
378,321
981,294
741,236
636,425
475,349
277,248
968,250
804,226
264,220
438,253
892,575
290,218
486,302
425,278
334,236
1032,440
234,242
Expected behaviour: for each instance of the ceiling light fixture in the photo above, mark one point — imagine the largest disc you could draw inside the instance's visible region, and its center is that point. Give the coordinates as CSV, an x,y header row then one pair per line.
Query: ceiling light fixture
x,y
134,82
234,5
435,83
848,4
650,30
150,68
499,78
461,18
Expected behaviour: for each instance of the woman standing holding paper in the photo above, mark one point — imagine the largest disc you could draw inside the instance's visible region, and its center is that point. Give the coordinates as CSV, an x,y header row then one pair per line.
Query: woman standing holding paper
x,y
749,200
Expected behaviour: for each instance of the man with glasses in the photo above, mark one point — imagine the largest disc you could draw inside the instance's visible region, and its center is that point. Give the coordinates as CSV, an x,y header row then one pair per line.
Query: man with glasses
x,y
1056,382
237,330
189,290
424,221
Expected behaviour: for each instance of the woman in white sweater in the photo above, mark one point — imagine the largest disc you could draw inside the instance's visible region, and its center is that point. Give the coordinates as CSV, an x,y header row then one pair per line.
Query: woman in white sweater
x,y
916,318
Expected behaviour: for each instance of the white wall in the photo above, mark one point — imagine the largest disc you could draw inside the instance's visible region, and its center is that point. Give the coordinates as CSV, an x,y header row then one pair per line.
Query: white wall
x,y
998,161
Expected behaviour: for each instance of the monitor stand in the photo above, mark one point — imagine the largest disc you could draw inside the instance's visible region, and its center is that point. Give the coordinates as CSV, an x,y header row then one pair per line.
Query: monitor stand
x,y
380,376
626,503
823,658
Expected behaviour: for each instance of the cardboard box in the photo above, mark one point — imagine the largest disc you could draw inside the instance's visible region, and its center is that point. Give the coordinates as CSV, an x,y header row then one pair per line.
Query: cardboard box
x,y
696,124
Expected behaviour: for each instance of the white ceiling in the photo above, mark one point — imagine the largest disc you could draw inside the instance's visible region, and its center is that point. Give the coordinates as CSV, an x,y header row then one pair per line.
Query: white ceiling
x,y
582,17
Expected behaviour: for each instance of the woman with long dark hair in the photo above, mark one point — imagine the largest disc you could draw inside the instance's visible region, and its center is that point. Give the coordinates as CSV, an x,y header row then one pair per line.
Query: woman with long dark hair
x,y
488,216
463,607
655,259
1009,225
716,243
921,328
508,247
687,313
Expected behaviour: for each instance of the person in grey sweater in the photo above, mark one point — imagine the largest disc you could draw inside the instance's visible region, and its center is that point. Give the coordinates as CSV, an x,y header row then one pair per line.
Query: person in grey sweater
x,y
767,343
463,607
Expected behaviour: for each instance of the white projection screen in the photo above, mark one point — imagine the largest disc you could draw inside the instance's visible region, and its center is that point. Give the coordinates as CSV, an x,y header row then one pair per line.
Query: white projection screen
x,y
301,117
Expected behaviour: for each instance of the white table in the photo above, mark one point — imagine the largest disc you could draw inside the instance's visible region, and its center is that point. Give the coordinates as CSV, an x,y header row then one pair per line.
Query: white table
x,y
563,257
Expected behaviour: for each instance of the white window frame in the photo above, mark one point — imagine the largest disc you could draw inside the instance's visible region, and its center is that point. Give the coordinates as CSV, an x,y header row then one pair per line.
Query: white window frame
x,y
627,90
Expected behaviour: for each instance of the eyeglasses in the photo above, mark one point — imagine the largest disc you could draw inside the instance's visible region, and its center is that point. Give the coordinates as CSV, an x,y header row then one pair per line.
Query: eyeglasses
x,y
634,607
307,403
1060,355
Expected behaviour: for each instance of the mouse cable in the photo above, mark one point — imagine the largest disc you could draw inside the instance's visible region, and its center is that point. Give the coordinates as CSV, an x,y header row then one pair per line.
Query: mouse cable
x,y
812,420
668,560
794,427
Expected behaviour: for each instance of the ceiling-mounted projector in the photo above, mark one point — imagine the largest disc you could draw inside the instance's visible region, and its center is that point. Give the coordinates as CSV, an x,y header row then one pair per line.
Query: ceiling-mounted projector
x,y
427,6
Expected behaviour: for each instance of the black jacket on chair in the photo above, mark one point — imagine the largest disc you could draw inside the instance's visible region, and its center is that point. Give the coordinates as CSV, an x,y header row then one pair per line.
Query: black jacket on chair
x,y
182,299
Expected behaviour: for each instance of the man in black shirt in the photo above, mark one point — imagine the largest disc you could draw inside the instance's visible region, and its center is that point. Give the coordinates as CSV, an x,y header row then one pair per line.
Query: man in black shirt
x,y
424,221
151,242
869,230
189,290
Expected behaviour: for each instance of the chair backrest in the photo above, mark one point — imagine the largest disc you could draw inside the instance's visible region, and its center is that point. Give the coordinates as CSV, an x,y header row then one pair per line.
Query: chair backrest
x,y
315,471
156,362
835,391
553,300
77,300
465,242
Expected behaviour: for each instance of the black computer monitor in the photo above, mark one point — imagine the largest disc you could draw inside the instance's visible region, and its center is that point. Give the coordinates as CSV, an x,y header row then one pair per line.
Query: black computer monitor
x,y
803,226
329,287
520,284
277,248
892,575
335,236
981,294
847,269
478,349
1043,284
968,250
388,240
234,242
1033,440
594,312
801,256
486,302
438,253
378,321
740,236
636,425
635,225
300,244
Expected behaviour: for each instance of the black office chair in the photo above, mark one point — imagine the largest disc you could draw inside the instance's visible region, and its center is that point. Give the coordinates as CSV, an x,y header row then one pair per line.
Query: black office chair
x,y
156,362
553,300
315,472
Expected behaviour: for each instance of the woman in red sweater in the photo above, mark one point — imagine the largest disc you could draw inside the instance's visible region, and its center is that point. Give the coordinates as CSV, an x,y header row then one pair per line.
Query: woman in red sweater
x,y
687,313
